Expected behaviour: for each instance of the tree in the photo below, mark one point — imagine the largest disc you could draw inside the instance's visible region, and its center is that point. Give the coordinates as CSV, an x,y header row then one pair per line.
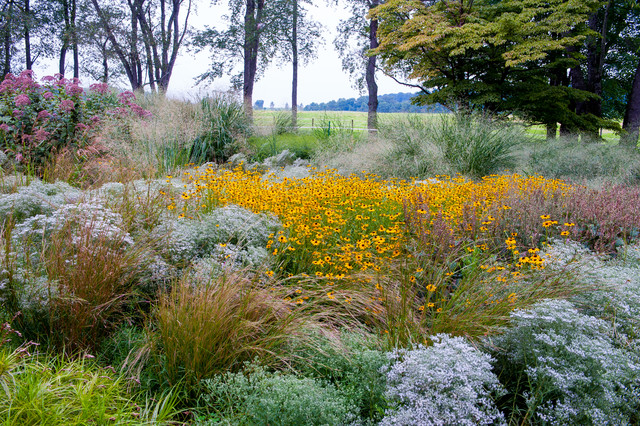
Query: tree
x,y
297,40
147,47
163,42
357,36
247,32
510,56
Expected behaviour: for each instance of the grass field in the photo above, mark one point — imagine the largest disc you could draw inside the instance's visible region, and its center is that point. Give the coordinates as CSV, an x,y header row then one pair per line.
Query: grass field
x,y
307,120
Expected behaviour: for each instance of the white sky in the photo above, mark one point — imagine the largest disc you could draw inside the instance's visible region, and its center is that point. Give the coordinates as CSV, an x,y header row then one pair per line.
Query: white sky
x,y
320,81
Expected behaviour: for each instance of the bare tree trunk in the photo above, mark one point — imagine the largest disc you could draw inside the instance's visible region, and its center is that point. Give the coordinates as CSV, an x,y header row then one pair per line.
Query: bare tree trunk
x,y
65,37
370,77
7,41
130,61
252,21
294,55
74,40
27,35
631,124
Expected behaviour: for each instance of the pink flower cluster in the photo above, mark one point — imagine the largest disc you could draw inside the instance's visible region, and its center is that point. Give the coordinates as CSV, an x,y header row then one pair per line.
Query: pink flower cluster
x,y
41,115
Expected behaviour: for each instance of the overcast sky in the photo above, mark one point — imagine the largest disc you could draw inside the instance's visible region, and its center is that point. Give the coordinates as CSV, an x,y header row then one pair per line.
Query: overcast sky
x,y
320,81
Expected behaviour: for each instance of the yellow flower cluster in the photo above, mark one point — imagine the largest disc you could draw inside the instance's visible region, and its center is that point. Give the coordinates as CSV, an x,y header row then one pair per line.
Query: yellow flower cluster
x,y
333,225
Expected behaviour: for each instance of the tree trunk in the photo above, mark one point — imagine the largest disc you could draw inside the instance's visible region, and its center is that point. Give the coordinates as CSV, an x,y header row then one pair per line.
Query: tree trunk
x,y
132,68
370,77
7,41
631,124
27,35
252,20
74,40
65,37
105,63
294,55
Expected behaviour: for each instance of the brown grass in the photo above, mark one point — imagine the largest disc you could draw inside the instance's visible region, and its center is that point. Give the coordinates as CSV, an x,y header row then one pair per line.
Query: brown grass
x,y
207,328
94,274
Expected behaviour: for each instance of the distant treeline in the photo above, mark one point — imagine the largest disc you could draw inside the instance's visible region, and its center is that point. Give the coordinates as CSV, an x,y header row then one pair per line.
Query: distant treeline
x,y
393,102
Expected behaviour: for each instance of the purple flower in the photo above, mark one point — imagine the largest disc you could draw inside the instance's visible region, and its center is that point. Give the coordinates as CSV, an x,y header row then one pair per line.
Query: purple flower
x,y
17,113
126,97
48,78
18,157
47,95
22,100
102,88
43,115
74,89
41,135
4,127
67,105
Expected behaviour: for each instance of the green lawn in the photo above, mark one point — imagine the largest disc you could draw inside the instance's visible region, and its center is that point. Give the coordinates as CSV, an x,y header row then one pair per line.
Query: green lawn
x,y
358,121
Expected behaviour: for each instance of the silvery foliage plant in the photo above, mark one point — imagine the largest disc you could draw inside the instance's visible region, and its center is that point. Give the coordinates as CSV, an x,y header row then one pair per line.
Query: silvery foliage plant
x,y
568,365
36,198
230,235
449,383
30,237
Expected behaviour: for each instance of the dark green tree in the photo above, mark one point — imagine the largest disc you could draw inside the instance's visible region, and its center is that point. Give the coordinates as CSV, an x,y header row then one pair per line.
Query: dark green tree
x,y
505,57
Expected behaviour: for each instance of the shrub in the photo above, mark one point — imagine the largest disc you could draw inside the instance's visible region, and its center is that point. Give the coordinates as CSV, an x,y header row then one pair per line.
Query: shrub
x,y
353,365
257,396
447,383
225,130
561,366
227,234
43,120
35,199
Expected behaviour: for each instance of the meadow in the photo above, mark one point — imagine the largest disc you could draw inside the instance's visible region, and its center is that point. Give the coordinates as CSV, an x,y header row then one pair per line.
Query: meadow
x,y
164,262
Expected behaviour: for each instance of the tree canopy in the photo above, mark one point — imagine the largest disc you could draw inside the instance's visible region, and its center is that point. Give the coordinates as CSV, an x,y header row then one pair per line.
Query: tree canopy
x,y
506,57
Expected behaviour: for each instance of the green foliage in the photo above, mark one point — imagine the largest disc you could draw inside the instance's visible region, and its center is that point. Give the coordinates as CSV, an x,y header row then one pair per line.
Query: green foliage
x,y
508,56
577,161
476,146
302,145
259,397
353,366
225,130
52,391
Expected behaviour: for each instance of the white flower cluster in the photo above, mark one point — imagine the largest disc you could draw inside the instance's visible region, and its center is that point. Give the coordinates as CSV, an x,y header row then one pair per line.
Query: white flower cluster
x,y
36,198
449,383
576,372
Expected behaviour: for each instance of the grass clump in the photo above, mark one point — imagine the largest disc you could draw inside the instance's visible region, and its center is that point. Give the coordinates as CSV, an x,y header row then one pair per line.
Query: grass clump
x,y
225,129
207,328
582,161
52,391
